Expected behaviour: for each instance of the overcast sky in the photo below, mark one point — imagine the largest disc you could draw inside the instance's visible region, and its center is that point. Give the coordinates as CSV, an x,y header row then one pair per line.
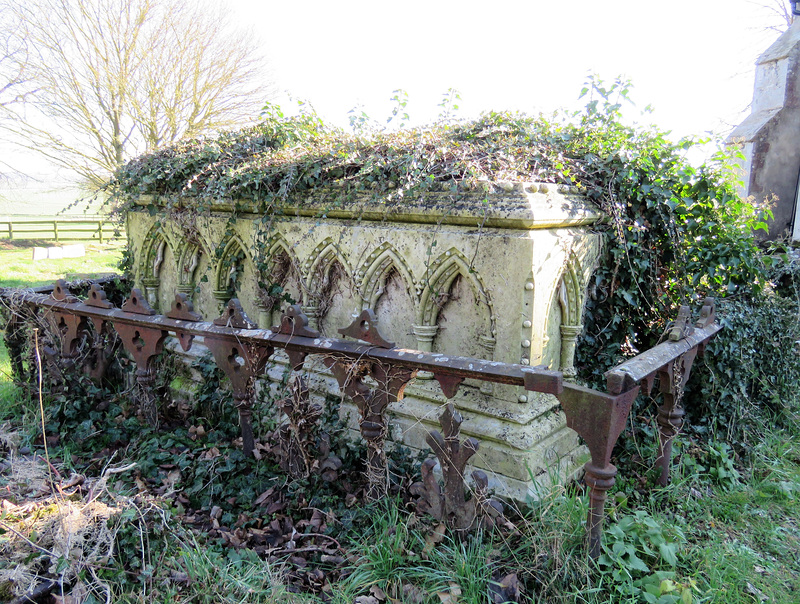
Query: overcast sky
x,y
691,59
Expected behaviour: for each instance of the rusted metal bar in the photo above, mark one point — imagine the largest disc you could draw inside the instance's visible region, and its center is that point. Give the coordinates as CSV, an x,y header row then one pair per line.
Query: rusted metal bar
x,y
242,362
242,351
533,378
644,366
599,417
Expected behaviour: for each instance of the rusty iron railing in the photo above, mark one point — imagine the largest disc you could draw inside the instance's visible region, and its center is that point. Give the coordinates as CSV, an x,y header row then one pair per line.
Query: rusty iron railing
x,y
242,351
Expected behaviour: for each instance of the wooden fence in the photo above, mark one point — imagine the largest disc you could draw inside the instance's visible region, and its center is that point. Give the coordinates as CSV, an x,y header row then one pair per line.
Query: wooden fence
x,y
60,229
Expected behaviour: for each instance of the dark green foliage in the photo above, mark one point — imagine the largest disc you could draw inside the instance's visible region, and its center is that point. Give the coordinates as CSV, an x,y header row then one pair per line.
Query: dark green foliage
x,y
677,233
752,369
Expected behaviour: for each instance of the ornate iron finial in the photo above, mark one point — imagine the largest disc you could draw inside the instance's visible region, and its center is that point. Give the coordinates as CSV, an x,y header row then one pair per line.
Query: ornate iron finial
x,y
294,322
450,504
137,304
61,292
707,313
183,309
365,328
97,297
234,316
682,326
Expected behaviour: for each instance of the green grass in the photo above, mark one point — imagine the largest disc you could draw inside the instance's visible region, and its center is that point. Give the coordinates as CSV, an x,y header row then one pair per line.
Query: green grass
x,y
9,399
17,269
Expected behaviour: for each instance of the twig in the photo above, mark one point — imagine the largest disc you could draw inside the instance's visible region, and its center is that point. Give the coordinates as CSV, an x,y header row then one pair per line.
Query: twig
x,y
301,535
100,484
50,467
102,583
283,550
130,466
24,538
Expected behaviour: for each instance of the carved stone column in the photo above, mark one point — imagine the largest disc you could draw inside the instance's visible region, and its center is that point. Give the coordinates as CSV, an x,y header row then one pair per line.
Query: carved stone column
x,y
264,314
569,337
186,288
221,296
425,335
487,344
313,317
151,291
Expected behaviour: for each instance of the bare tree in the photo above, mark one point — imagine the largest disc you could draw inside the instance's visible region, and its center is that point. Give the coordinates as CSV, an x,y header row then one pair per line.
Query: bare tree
x,y
109,79
13,53
781,10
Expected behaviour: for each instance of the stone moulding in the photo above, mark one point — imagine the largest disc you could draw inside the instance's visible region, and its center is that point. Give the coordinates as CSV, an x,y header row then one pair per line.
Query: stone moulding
x,y
498,275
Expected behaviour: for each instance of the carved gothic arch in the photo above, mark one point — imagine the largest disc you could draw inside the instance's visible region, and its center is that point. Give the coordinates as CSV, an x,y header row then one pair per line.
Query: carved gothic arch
x,y
154,247
318,278
440,277
277,245
188,256
570,292
320,262
570,295
232,247
376,268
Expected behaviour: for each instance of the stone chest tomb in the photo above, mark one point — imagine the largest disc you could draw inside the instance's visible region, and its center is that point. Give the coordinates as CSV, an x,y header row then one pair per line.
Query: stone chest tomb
x,y
500,275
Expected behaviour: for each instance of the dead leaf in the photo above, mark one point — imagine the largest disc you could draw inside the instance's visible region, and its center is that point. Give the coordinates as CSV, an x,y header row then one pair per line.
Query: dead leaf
x,y
451,596
211,453
264,496
759,595
77,595
365,600
317,519
433,538
506,590
171,479
140,484
412,594
378,593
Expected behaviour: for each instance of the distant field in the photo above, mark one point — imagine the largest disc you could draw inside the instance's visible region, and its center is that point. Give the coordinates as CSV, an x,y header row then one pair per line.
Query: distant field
x,y
17,269
41,200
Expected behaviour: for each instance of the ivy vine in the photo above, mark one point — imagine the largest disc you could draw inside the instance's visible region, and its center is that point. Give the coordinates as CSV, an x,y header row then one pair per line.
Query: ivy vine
x,y
675,232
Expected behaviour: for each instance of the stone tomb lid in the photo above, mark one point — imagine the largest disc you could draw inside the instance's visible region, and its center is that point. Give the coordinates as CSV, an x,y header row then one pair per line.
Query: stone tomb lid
x,y
511,205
